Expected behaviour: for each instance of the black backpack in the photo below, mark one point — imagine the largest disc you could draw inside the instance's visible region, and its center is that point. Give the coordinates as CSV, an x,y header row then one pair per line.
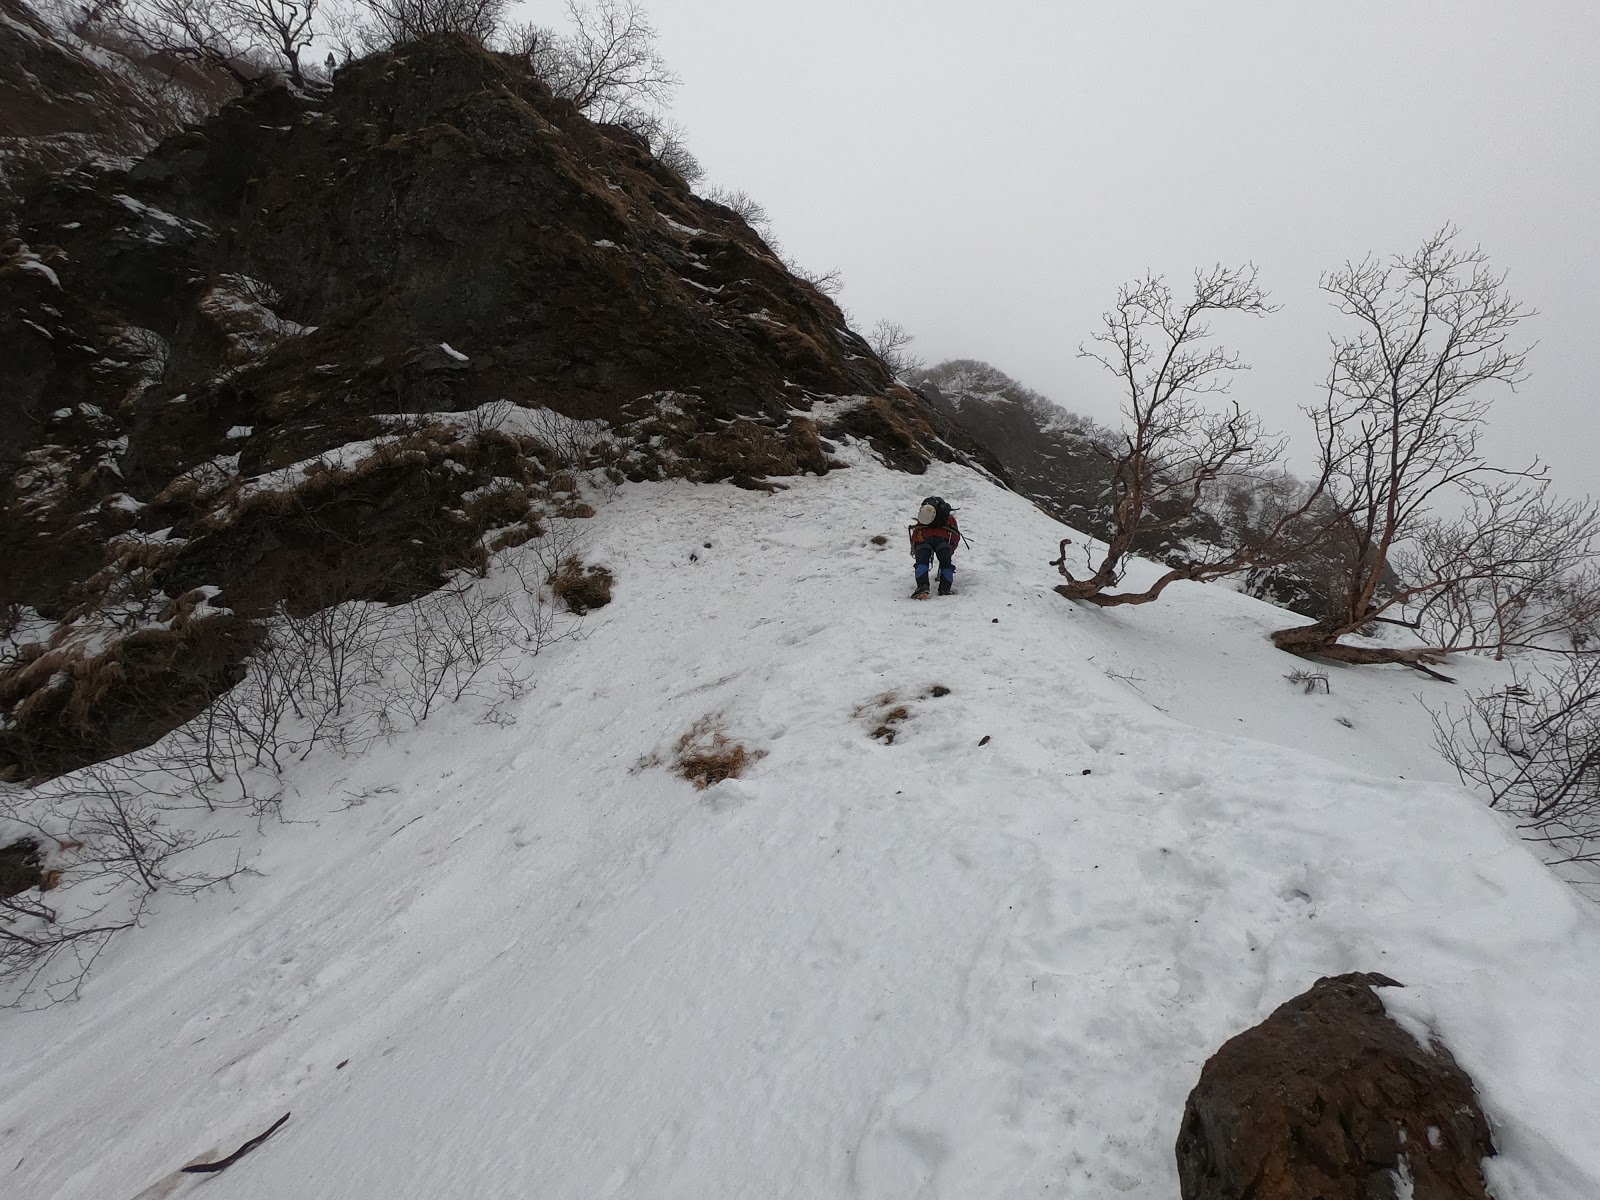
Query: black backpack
x,y
941,511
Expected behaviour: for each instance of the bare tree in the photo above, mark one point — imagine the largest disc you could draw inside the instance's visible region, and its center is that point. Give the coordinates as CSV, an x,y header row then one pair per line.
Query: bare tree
x,y
393,22
891,342
667,139
227,35
1503,575
283,26
608,65
210,33
1534,748
610,69
830,282
1398,431
1173,451
751,210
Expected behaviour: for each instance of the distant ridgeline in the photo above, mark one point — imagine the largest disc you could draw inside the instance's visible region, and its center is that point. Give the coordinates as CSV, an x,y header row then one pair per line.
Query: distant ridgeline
x,y
335,346
1052,457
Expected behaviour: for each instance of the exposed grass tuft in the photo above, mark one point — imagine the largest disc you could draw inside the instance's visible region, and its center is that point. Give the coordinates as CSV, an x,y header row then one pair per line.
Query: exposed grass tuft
x,y
706,754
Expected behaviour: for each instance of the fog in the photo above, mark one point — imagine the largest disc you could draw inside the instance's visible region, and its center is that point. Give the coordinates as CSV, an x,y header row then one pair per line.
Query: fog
x,y
988,175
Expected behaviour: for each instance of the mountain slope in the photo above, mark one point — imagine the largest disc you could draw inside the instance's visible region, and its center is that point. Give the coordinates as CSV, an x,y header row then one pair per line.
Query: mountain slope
x,y
277,362
502,962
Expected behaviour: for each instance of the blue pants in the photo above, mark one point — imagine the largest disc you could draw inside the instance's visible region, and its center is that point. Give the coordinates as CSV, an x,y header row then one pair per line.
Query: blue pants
x,y
925,552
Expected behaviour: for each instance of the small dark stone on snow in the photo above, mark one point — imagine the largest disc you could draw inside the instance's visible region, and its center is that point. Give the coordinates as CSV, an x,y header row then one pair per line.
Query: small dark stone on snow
x,y
984,740
995,621
708,545
1086,771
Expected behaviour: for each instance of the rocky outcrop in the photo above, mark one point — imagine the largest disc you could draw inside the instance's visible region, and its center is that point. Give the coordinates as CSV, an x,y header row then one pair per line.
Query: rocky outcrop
x,y
64,100
335,346
1048,451
21,868
1329,1099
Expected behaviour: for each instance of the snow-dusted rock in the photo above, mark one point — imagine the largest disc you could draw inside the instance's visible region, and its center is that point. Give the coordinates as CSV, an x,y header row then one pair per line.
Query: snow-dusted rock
x,y
1330,1098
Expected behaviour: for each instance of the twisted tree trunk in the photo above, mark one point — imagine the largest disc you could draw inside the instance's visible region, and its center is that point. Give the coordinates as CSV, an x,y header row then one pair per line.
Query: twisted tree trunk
x,y
1322,639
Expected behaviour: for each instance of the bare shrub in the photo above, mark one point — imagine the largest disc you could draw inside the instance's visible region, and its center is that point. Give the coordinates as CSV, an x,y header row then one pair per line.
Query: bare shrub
x,y
109,849
830,282
1507,574
1574,601
395,22
1310,682
468,641
749,209
445,641
891,342
706,754
607,65
120,835
334,677
571,444
41,953
1534,748
230,36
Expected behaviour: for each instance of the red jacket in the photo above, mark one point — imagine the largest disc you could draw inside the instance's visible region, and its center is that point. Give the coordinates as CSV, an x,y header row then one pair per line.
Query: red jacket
x,y
948,532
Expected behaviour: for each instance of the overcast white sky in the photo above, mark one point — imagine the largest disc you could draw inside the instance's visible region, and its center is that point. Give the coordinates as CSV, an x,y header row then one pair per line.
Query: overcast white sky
x,y
987,174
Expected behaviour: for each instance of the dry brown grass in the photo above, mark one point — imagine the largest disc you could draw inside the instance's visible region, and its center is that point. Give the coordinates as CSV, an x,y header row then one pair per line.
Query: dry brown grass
x,y
516,535
884,715
579,587
892,425
706,754
889,726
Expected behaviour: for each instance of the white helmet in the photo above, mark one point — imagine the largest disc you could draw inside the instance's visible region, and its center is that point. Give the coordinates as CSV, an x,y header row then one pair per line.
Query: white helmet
x,y
926,514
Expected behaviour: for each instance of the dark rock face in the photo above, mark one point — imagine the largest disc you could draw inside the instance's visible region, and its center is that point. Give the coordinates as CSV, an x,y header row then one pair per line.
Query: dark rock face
x,y
62,101
1328,1099
291,356
1049,452
20,868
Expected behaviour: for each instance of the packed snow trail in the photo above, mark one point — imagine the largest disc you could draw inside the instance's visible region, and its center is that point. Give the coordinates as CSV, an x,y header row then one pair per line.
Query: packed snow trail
x,y
529,962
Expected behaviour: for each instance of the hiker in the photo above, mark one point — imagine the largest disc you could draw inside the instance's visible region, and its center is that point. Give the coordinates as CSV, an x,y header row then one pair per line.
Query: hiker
x,y
935,534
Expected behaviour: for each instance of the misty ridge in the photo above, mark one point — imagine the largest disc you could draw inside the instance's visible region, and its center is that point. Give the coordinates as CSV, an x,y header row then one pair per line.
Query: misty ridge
x,y
1183,476
1408,545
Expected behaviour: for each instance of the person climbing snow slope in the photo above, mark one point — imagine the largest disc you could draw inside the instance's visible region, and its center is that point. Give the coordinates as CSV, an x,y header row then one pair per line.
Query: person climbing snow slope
x,y
935,534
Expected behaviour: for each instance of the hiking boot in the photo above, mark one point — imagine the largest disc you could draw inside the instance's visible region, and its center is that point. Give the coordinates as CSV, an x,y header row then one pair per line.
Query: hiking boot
x,y
946,588
921,593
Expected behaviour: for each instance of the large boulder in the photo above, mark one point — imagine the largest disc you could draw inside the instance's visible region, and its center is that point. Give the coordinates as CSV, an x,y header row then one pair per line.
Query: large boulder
x,y
1329,1099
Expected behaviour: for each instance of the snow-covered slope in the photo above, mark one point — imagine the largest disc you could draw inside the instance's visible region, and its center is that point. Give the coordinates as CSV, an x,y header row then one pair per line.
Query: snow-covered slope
x,y
984,960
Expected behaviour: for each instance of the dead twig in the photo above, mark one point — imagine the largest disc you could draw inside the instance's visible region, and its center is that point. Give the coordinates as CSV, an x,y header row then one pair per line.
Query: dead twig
x,y
223,1164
